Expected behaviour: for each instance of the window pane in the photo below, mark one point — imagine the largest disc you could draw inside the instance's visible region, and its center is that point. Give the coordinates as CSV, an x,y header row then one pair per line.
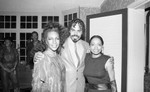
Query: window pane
x,y
22,44
22,58
34,25
1,18
70,16
56,19
1,25
13,25
13,35
22,36
50,18
23,18
7,34
1,36
65,18
22,52
35,18
23,25
74,15
7,18
28,36
13,18
44,18
7,25
28,18
28,25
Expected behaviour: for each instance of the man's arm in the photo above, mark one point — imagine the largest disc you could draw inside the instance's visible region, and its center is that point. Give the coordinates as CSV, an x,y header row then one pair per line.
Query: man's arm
x,y
37,57
110,69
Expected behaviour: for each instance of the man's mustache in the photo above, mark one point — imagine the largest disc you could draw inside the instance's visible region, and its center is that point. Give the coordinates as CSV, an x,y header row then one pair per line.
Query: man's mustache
x,y
75,35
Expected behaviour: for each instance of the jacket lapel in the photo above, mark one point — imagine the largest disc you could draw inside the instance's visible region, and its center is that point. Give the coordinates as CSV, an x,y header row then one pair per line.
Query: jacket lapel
x,y
67,55
85,47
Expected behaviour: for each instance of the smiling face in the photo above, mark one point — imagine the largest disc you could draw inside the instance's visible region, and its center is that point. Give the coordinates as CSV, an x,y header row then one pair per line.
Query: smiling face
x,y
76,32
96,46
34,36
7,43
52,40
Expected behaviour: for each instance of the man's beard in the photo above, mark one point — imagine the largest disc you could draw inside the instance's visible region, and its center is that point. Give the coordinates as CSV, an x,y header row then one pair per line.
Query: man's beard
x,y
75,39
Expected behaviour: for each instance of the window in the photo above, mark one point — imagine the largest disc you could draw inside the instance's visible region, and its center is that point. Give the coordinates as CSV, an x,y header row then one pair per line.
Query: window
x,y
68,18
28,22
46,19
7,21
24,37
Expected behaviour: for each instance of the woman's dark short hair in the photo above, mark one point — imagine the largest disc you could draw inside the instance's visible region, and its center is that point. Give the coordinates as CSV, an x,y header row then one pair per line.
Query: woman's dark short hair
x,y
97,36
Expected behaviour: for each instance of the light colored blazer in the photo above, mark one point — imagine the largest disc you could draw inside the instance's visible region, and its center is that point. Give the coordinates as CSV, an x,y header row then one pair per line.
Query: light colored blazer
x,y
75,81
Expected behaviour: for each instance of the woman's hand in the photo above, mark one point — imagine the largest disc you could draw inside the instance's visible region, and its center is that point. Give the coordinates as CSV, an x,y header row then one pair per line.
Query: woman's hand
x,y
38,56
7,70
12,69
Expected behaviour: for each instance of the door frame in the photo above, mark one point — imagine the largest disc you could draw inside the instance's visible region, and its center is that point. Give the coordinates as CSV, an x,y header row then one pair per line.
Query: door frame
x,y
124,13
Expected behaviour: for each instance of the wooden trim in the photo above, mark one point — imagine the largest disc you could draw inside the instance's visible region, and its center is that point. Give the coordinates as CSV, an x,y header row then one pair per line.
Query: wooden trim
x,y
147,44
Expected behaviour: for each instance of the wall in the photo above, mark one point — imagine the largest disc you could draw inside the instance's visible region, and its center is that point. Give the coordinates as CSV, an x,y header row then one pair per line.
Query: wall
x,y
54,6
136,43
110,5
51,6
136,50
82,12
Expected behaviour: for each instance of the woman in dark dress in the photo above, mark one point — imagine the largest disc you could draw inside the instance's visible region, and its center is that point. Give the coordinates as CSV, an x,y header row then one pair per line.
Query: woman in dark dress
x,y
99,68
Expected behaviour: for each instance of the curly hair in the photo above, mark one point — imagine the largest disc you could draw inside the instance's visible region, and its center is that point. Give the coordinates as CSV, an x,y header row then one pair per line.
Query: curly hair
x,y
62,31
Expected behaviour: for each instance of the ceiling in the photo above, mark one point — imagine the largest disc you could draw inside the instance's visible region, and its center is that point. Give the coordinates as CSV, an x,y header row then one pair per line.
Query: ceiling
x,y
46,5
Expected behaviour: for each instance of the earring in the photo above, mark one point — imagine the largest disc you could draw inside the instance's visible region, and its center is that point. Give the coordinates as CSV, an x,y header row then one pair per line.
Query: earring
x,y
102,50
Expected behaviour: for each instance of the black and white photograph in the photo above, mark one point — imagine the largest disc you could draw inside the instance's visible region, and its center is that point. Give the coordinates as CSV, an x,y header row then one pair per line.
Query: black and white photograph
x,y
74,46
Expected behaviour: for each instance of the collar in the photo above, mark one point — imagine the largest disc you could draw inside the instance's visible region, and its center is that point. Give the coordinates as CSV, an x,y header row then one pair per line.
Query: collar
x,y
50,53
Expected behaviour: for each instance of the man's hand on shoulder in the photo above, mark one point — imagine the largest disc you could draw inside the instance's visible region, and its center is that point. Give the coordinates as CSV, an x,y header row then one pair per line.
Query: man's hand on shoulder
x,y
38,56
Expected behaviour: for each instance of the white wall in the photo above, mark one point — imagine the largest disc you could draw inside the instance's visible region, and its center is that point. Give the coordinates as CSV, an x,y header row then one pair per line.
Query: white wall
x,y
136,51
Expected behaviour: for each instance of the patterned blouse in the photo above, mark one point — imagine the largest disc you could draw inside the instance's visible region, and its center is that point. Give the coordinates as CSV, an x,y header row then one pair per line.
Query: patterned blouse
x,y
49,74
